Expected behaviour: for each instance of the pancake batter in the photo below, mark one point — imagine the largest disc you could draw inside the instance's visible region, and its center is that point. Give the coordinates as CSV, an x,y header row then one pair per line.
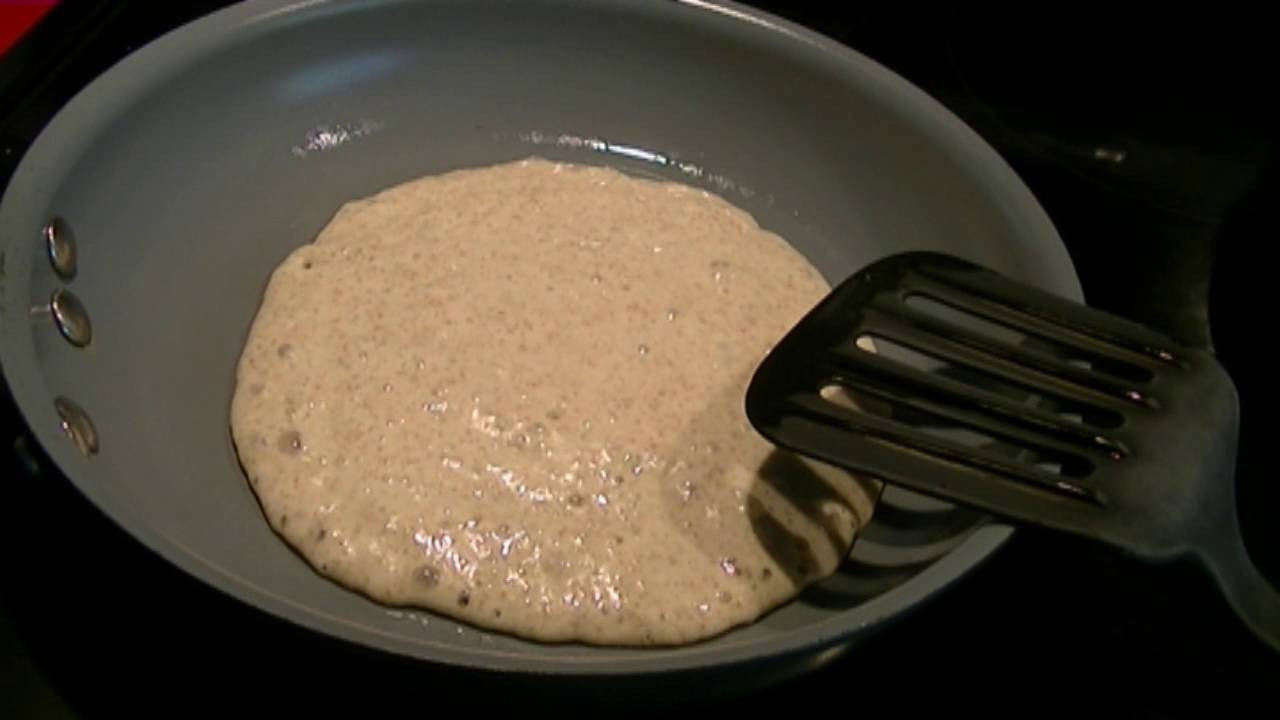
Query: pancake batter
x,y
513,396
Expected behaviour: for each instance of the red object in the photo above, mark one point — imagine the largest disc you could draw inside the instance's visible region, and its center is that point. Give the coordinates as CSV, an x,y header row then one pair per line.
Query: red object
x,y
16,18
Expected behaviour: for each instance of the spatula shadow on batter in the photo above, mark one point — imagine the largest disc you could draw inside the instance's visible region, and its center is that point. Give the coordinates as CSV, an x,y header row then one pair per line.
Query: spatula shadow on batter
x,y
799,516
821,496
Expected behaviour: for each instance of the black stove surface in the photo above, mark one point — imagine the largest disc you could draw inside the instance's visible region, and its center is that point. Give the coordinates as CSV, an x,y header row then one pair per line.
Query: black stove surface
x,y
1150,141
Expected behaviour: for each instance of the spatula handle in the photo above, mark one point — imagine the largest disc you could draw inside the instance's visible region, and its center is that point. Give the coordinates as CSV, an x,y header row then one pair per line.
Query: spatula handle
x,y
1254,600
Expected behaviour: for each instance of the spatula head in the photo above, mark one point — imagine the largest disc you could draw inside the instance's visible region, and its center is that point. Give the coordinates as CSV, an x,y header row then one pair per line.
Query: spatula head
x,y
930,372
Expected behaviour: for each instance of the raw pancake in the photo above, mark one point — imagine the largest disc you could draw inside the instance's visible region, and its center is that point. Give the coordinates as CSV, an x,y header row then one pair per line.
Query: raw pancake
x,y
513,395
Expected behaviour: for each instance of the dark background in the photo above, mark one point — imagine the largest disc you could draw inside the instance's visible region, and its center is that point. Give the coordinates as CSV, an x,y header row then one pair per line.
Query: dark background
x,y
1150,139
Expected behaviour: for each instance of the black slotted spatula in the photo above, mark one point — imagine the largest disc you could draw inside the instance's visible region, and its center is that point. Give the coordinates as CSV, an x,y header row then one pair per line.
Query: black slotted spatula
x,y
938,375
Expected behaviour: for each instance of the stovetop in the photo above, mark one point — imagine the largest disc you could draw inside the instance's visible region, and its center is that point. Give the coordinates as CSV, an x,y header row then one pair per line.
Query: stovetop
x,y
1149,140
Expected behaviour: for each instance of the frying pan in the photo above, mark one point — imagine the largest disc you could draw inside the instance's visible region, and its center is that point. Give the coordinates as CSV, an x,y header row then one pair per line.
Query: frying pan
x,y
188,171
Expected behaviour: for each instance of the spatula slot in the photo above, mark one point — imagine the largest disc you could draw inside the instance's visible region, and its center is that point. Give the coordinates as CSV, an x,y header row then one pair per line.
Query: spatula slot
x,y
1024,448
1066,408
970,318
965,319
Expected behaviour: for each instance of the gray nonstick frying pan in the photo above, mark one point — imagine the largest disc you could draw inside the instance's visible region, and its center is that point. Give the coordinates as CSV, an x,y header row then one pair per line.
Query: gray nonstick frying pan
x,y
141,226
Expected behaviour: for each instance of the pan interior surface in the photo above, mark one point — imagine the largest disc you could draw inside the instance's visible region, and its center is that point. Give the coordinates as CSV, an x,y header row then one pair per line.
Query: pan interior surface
x,y
190,170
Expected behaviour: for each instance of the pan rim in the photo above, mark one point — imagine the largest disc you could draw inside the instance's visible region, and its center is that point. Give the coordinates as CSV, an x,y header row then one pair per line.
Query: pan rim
x,y
140,68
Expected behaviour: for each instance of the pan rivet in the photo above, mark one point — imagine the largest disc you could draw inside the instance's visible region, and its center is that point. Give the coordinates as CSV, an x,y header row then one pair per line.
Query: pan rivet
x,y
60,242
77,425
71,317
